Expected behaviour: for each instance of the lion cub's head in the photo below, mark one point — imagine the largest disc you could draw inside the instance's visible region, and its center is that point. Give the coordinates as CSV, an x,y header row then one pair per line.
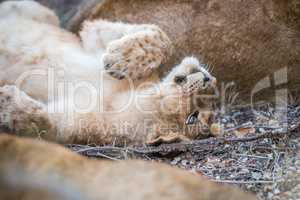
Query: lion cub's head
x,y
190,77
187,82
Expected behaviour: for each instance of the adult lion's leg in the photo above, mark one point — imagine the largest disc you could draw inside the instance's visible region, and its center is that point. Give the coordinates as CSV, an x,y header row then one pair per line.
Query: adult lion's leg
x,y
23,115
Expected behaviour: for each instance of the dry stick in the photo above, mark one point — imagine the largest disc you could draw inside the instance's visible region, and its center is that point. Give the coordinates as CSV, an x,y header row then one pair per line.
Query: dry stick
x,y
244,182
210,143
205,145
202,145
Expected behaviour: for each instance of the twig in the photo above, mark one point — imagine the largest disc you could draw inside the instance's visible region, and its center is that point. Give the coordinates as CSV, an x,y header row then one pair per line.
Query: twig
x,y
204,146
251,156
107,157
244,182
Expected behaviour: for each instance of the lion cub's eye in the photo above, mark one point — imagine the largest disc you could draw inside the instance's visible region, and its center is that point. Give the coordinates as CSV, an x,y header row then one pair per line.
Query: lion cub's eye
x,y
180,79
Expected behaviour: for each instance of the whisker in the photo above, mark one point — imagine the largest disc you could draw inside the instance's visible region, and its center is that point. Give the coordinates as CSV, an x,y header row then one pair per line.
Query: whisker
x,y
206,67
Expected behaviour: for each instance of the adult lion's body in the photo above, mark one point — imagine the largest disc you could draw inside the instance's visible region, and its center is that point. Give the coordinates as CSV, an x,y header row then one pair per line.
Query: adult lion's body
x,y
245,41
32,169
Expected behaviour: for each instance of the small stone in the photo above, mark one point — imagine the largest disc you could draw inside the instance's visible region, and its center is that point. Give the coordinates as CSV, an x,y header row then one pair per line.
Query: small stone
x,y
244,131
270,195
261,130
256,176
273,122
184,162
230,125
276,191
216,129
175,161
245,171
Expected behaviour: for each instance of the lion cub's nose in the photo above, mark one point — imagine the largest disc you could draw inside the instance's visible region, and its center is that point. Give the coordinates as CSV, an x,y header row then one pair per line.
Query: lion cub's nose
x,y
206,79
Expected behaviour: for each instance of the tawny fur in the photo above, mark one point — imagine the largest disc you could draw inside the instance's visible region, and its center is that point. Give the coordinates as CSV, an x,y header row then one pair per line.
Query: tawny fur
x,y
245,41
115,61
32,169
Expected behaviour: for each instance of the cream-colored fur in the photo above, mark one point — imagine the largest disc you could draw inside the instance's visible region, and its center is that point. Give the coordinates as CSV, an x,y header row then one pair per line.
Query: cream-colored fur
x,y
29,43
28,10
110,67
34,170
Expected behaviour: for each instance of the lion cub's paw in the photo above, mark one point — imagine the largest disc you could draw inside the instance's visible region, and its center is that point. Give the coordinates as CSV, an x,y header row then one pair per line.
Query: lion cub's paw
x,y
21,114
166,139
136,55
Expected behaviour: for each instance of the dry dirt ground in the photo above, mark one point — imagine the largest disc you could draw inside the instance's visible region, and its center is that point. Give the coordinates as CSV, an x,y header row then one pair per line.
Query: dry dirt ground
x,y
267,165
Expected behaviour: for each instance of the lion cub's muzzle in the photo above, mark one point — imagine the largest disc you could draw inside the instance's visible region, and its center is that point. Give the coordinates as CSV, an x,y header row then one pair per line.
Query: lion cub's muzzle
x,y
199,82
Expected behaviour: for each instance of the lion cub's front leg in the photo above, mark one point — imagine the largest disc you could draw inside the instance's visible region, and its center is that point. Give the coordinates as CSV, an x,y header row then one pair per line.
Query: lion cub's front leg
x,y
172,137
128,50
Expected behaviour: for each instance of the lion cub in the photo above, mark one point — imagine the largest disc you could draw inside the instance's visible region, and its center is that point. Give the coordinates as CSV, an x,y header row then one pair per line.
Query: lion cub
x,y
153,115
31,169
97,88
